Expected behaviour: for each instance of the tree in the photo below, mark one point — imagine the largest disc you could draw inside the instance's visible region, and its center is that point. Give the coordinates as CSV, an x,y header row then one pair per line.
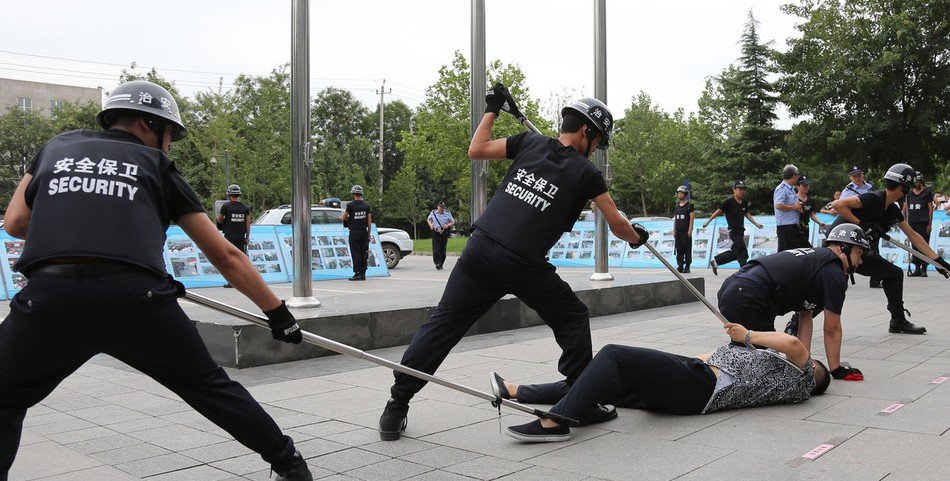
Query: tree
x,y
741,103
439,144
873,76
402,197
22,134
397,119
341,126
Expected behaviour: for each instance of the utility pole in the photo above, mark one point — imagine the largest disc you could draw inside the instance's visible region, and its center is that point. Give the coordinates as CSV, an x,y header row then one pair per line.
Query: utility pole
x,y
382,110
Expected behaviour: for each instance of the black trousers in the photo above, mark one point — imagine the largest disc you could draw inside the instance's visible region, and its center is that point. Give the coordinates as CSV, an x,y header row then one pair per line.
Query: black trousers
x,y
640,378
238,242
738,251
920,228
746,298
57,323
876,267
359,250
439,241
683,248
791,237
484,273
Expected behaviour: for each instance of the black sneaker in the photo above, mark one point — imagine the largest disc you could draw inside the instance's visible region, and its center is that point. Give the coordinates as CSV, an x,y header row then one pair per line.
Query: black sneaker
x,y
847,373
294,470
393,421
498,385
228,285
533,432
686,270
904,327
598,414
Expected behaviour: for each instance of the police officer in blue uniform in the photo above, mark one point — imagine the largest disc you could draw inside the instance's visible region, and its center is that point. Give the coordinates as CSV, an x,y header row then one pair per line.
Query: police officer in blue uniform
x,y
919,211
235,220
800,280
787,209
876,212
93,208
683,216
542,195
359,218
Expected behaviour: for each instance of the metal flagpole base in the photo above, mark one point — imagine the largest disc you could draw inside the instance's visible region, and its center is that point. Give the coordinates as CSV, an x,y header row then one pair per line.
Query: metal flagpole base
x,y
303,302
601,276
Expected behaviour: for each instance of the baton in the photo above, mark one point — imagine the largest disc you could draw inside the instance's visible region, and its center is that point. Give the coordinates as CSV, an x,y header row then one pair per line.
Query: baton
x,y
916,254
340,348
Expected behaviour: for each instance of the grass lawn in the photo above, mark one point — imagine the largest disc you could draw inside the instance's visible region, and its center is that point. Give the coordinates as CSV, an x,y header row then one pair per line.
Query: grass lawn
x,y
425,245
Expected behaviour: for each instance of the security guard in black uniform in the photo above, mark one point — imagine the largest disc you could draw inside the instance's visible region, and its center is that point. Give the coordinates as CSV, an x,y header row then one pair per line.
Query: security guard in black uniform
x,y
683,216
359,218
235,220
547,185
93,208
800,280
735,209
876,212
919,212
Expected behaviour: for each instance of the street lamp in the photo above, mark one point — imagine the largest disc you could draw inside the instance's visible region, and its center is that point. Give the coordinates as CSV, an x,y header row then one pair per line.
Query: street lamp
x,y
227,166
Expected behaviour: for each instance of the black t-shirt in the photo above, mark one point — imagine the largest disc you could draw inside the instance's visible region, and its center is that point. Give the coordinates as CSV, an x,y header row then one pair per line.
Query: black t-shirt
x,y
806,279
103,194
541,196
359,212
917,206
235,219
808,206
735,213
875,211
681,216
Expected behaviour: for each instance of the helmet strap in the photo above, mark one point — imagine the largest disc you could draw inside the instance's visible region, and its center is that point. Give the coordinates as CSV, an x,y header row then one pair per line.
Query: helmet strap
x,y
846,250
591,134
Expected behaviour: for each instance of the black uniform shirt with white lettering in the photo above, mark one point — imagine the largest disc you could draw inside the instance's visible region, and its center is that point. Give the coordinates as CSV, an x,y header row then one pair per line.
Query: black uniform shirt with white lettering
x,y
917,210
875,211
541,196
235,215
359,212
681,216
103,194
806,279
735,213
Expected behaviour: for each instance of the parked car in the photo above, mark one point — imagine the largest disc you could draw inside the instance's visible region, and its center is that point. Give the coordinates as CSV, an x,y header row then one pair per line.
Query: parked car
x,y
396,243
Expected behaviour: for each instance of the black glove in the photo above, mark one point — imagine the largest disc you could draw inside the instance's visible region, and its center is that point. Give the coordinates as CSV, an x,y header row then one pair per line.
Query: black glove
x,y
496,98
946,267
642,232
510,106
283,326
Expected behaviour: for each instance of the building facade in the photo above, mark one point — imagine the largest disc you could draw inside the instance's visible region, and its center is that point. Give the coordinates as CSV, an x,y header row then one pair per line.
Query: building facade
x,y
43,97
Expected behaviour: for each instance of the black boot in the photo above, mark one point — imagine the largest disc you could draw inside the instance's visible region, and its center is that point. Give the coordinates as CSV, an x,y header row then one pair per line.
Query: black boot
x,y
923,271
900,324
394,420
916,272
289,464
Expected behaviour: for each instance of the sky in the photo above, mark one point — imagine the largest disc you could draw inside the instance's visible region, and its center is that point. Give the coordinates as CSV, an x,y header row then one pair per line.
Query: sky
x,y
666,49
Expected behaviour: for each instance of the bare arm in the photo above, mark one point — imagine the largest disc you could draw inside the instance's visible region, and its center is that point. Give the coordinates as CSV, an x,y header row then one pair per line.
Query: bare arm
x,y
247,227
917,240
845,207
232,263
832,339
482,146
793,349
752,219
369,222
692,218
17,219
713,216
619,224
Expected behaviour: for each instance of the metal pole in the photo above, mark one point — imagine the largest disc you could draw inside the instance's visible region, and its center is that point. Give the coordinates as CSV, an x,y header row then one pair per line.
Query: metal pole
x,y
227,168
340,348
479,167
301,161
601,267
382,112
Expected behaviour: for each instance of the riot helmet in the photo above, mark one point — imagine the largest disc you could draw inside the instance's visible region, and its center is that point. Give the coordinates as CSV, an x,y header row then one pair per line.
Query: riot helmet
x,y
234,189
902,174
146,97
357,189
597,114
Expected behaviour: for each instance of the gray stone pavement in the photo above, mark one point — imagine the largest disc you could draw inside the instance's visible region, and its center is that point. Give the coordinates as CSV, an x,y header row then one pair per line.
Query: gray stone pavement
x,y
108,422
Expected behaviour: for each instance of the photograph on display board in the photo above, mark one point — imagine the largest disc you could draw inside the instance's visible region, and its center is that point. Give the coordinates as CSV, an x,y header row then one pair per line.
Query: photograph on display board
x,y
614,255
13,248
557,254
943,229
765,239
274,267
339,240
700,244
184,266
587,244
210,270
587,255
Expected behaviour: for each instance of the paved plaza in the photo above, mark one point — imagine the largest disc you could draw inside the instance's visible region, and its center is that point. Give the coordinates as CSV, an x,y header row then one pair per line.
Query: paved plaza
x,y
108,422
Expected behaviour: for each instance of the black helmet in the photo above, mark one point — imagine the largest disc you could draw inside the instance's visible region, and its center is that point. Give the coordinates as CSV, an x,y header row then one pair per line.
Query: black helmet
x,y
902,174
682,189
143,96
848,234
357,189
234,189
598,114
